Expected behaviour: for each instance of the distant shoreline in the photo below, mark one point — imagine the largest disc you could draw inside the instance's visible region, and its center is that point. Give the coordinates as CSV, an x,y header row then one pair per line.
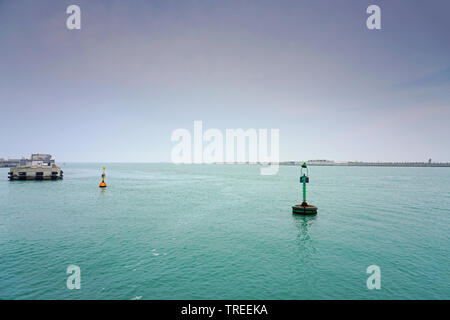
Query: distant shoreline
x,y
350,164
382,164
292,163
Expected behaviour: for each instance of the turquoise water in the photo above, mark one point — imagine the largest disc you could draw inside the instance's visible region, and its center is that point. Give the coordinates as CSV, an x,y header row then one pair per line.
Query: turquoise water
x,y
162,231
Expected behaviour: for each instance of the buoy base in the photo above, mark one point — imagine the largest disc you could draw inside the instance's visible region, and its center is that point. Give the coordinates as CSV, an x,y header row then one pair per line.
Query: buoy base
x,y
304,209
102,185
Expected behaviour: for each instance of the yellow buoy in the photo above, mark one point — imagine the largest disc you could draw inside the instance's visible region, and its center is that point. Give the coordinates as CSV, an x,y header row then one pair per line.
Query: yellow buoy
x,y
103,184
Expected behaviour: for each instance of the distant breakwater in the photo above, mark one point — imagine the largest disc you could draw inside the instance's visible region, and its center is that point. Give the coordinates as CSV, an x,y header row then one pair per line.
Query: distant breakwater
x,y
349,163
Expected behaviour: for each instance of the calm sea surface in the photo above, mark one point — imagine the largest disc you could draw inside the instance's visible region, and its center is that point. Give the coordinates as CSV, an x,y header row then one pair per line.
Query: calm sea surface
x,y
161,231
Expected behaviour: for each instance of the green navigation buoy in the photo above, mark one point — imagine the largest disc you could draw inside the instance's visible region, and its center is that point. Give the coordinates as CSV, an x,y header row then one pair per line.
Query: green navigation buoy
x,y
304,208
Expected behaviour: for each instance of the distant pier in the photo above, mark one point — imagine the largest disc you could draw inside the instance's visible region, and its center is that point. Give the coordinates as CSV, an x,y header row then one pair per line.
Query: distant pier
x,y
347,163
367,164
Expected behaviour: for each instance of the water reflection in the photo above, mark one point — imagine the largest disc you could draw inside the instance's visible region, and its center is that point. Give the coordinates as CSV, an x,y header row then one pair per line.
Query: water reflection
x,y
303,239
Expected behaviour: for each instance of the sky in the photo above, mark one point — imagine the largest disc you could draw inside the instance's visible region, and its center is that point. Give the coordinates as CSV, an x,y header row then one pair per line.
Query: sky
x,y
115,90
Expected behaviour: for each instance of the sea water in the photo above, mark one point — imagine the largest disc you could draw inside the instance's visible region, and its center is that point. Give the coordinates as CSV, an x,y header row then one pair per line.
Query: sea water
x,y
164,231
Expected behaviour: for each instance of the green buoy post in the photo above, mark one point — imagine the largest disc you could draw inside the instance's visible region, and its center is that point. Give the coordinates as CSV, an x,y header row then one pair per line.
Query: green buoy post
x,y
304,208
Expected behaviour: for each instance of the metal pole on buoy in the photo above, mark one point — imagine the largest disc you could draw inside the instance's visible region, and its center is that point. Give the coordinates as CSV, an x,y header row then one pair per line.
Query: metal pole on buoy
x,y
304,177
304,208
103,184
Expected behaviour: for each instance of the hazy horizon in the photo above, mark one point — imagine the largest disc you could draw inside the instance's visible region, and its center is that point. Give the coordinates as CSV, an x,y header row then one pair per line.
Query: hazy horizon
x,y
281,161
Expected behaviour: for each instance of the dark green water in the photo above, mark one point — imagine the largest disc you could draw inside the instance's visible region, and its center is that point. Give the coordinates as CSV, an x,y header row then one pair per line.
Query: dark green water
x,y
161,231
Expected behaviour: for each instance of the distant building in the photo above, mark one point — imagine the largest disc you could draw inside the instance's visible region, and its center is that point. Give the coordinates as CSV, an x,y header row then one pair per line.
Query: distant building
x,y
37,158
10,163
24,162
320,162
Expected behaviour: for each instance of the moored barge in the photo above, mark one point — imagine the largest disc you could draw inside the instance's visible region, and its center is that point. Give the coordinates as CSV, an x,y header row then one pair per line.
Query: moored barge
x,y
36,172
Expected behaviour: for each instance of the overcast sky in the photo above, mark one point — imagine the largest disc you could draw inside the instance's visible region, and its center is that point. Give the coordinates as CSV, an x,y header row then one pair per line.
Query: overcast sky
x,y
137,70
